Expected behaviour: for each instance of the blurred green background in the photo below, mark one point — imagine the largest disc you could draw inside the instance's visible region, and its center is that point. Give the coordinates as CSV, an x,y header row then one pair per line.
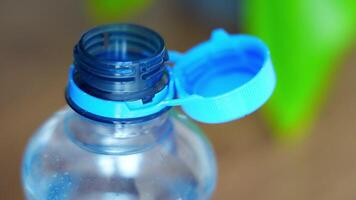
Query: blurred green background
x,y
313,48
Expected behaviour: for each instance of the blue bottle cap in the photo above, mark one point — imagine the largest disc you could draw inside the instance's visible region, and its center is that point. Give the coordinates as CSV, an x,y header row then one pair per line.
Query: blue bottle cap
x,y
224,78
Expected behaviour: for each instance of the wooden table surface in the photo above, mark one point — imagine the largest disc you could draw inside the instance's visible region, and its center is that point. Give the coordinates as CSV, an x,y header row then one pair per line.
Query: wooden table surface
x,y
36,40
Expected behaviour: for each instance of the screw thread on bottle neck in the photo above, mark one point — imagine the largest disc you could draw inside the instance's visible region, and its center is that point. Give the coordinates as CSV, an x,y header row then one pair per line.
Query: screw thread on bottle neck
x,y
121,62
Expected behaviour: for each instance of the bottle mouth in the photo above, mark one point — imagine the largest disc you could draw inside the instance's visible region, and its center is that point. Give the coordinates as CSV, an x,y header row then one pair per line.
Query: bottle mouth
x,y
121,62
117,43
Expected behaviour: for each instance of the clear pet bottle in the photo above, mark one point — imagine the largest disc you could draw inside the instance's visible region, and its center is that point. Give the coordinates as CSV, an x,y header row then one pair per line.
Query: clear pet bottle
x,y
119,138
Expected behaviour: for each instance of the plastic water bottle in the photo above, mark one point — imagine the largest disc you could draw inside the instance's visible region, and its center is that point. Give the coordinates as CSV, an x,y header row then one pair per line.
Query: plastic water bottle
x,y
120,139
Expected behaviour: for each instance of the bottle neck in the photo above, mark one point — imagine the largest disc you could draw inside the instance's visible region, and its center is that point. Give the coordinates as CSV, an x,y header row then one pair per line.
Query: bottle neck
x,y
119,72
120,62
118,69
119,137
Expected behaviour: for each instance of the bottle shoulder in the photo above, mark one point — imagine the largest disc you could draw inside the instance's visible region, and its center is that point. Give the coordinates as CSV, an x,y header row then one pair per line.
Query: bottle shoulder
x,y
61,125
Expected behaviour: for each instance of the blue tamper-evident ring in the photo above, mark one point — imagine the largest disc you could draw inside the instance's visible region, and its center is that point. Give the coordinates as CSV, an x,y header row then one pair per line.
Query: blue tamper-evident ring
x,y
117,109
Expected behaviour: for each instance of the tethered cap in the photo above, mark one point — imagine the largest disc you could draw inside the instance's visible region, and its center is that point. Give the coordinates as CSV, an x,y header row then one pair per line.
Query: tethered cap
x,y
120,74
225,78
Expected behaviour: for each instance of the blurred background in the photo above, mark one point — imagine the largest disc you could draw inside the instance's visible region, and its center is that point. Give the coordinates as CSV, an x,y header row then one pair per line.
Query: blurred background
x,y
302,144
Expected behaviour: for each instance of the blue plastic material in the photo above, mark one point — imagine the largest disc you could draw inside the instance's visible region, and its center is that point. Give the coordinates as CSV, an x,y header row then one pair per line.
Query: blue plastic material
x,y
225,78
220,80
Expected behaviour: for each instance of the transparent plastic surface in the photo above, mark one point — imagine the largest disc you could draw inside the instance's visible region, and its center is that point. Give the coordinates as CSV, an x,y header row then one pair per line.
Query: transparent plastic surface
x,y
72,157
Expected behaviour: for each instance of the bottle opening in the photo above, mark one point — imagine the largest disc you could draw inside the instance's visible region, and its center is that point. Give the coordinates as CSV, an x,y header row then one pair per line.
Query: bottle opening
x,y
120,43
